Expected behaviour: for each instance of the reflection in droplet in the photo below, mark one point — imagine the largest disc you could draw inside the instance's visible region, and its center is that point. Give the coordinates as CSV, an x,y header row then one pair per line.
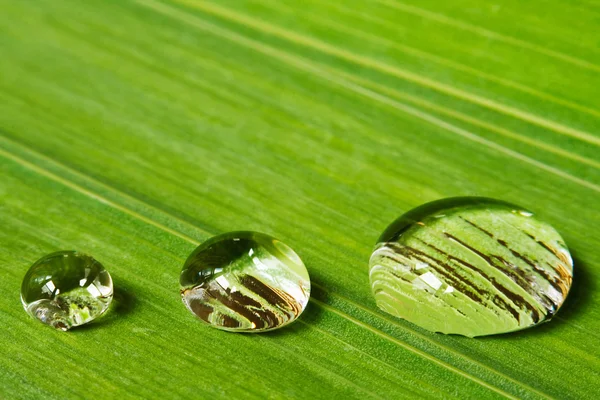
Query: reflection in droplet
x,y
66,289
245,282
471,266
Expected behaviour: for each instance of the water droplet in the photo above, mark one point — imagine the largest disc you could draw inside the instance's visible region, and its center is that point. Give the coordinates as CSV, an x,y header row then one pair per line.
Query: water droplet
x,y
471,266
245,282
66,289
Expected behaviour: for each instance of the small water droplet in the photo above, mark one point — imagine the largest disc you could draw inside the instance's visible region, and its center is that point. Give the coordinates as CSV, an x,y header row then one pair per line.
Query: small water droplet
x,y
66,289
245,282
489,269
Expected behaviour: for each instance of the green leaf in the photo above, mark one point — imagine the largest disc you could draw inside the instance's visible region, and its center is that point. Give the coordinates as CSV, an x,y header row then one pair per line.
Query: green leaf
x,y
133,130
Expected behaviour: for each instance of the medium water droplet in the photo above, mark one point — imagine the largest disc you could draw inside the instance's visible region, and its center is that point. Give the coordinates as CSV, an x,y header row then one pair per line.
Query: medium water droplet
x,y
245,282
66,289
471,266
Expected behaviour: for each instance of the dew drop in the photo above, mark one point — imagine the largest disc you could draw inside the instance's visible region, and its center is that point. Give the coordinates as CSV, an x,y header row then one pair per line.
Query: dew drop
x,y
66,289
471,266
245,282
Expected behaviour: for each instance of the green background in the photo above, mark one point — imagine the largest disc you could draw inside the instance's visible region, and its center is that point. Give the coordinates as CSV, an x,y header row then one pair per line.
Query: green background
x,y
135,129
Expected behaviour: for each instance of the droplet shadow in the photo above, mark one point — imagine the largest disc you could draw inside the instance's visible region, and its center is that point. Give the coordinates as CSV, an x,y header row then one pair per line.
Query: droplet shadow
x,y
577,300
301,325
581,291
310,316
123,303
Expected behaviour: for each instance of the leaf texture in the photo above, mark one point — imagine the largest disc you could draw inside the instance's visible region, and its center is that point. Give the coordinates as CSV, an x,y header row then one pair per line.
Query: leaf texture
x,y
134,130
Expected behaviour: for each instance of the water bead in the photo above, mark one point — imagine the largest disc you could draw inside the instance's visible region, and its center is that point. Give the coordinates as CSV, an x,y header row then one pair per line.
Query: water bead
x,y
66,289
245,282
471,266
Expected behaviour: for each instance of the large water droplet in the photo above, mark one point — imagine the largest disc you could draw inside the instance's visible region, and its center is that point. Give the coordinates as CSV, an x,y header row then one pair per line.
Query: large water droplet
x,y
471,266
245,282
66,289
